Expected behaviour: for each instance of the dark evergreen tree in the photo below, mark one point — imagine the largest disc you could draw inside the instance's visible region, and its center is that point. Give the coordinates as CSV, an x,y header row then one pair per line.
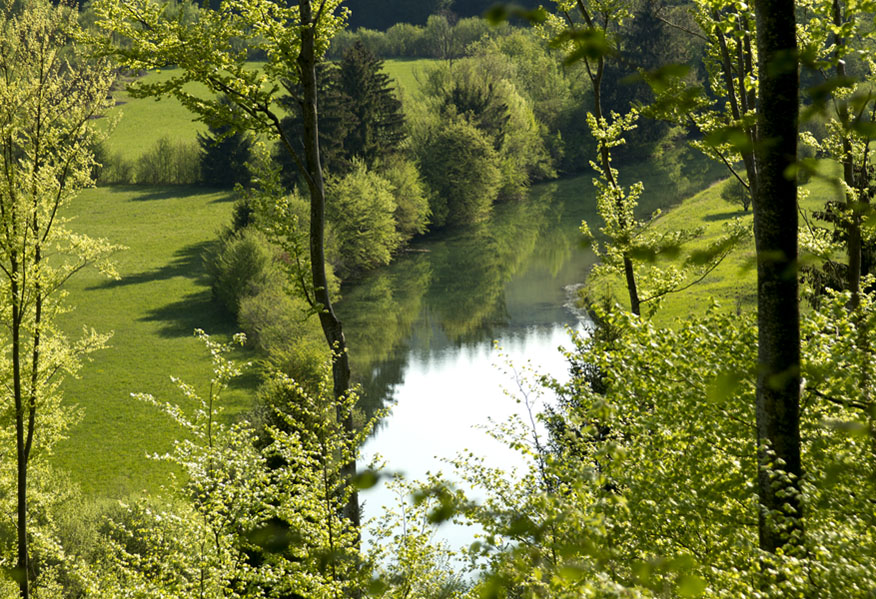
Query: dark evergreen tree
x,y
360,116
336,118
480,105
224,154
379,128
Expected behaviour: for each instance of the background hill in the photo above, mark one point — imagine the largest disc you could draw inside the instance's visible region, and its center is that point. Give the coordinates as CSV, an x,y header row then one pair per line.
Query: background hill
x,y
381,14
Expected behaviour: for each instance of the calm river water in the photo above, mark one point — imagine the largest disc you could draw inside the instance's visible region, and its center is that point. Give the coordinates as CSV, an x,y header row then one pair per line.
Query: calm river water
x,y
421,332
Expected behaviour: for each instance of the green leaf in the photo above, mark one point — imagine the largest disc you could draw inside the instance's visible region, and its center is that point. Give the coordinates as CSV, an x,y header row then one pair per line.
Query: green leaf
x,y
366,479
571,572
377,587
690,586
589,43
662,78
501,12
723,386
734,136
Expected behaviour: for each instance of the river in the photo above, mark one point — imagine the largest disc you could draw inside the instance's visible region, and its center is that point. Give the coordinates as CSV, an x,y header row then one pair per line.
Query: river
x,y
432,335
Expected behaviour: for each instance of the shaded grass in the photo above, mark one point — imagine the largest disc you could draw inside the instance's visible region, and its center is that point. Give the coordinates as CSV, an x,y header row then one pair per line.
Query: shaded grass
x,y
162,296
733,284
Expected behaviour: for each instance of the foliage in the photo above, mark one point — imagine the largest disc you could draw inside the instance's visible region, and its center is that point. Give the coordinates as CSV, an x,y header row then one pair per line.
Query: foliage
x,y
734,192
264,521
240,266
460,165
479,91
378,122
49,95
440,37
360,116
169,163
410,195
632,247
224,156
361,213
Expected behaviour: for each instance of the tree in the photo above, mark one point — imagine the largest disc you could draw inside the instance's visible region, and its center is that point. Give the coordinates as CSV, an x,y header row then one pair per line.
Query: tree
x,y
361,216
50,95
360,116
461,166
592,44
379,126
734,192
837,50
778,316
224,156
293,38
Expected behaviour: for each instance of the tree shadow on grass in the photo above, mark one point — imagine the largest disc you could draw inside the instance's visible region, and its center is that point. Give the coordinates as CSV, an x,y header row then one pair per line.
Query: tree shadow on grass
x,y
726,215
175,192
187,262
194,311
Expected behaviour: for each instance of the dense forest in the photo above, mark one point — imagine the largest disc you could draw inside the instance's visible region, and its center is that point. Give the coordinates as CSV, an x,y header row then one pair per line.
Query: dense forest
x,y
336,188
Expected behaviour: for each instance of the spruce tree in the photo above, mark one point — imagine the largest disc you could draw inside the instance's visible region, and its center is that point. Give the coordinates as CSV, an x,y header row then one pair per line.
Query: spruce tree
x,y
224,154
380,123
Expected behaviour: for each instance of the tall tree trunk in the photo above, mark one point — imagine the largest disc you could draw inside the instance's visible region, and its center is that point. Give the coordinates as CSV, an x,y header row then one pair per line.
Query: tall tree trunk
x,y
22,565
775,230
853,226
331,325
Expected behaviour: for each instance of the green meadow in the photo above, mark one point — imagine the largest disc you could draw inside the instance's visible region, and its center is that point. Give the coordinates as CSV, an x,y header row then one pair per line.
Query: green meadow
x,y
162,296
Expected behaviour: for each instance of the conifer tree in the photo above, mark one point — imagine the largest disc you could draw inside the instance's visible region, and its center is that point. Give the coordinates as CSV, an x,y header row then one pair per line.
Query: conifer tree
x,y
224,154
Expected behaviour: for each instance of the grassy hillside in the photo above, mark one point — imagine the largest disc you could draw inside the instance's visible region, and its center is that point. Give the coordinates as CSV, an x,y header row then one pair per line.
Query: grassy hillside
x,y
142,122
161,298
405,72
733,283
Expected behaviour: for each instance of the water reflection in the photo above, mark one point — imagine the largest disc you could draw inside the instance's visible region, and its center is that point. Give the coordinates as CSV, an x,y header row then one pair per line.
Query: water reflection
x,y
467,287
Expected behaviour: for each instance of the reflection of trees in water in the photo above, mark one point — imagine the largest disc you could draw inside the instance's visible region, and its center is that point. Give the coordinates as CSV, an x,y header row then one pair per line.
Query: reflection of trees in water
x,y
450,295
454,294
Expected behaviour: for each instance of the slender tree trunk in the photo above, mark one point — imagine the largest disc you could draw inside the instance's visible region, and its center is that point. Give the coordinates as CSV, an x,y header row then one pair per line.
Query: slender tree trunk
x,y
331,325
775,229
22,565
605,158
853,227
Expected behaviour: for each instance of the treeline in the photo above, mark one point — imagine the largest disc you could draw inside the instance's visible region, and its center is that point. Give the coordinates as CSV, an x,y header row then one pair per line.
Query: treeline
x,y
382,14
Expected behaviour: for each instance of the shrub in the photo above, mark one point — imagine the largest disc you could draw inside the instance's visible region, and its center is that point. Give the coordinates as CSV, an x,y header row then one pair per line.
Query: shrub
x,y
170,163
411,199
461,166
404,39
360,210
734,192
241,265
115,169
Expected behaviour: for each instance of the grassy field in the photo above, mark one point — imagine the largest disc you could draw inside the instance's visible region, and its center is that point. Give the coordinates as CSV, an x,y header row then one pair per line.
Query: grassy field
x,y
142,122
406,71
161,298
733,283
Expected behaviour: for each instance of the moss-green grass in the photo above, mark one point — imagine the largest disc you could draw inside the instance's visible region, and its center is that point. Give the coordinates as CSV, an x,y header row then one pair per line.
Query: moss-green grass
x,y
406,71
161,298
141,122
733,283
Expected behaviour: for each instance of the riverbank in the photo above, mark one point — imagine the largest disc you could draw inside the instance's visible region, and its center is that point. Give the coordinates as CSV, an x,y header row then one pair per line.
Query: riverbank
x,y
733,284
